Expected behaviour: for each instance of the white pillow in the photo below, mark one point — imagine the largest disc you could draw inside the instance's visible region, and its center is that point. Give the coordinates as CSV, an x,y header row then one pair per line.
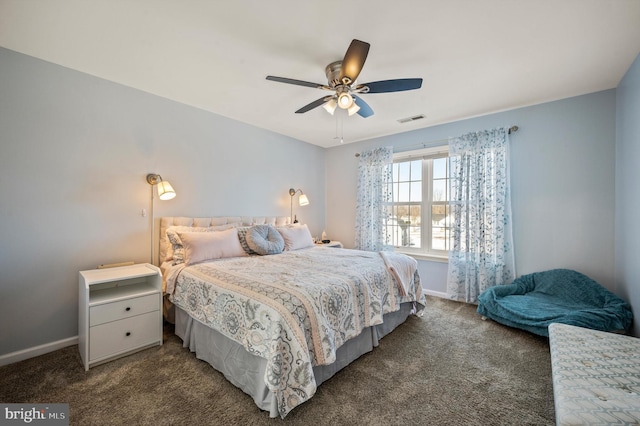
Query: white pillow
x,y
296,237
175,251
202,246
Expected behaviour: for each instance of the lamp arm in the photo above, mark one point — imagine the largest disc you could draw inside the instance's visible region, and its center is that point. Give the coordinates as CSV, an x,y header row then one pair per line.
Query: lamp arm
x,y
292,193
152,223
167,193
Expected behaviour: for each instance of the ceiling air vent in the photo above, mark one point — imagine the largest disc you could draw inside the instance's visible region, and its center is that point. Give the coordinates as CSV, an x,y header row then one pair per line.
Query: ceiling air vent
x,y
410,119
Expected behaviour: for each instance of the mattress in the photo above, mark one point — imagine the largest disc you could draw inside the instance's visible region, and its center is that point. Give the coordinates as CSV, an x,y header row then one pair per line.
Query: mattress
x,y
596,376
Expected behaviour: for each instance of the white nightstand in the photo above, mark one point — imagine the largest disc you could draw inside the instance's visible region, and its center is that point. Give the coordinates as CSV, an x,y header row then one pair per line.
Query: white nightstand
x,y
120,312
336,244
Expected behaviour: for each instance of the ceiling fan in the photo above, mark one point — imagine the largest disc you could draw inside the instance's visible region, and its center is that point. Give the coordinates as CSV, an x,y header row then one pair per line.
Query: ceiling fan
x,y
342,75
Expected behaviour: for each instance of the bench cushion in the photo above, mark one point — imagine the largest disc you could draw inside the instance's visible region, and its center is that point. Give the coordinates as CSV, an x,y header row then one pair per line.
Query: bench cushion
x,y
596,376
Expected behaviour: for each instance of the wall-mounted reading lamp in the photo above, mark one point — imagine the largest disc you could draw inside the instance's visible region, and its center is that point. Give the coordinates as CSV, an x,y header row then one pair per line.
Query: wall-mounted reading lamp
x,y
302,200
165,192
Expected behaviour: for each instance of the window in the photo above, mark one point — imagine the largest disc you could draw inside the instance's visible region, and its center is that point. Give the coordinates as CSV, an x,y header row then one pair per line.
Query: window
x,y
418,220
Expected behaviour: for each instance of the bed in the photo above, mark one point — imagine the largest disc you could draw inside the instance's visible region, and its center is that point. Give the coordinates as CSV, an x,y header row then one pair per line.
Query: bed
x,y
279,325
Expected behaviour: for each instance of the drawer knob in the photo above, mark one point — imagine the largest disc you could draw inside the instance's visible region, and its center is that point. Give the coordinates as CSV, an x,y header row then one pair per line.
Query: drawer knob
x,y
127,309
128,333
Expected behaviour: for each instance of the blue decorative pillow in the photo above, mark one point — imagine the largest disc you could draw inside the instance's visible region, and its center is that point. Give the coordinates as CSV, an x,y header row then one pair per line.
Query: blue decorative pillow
x,y
265,239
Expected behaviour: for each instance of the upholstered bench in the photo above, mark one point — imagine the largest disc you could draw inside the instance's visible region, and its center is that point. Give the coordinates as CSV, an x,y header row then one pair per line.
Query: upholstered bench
x,y
596,376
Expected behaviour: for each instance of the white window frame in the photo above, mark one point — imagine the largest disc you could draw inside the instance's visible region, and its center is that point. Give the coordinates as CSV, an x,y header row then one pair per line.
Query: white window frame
x,y
434,152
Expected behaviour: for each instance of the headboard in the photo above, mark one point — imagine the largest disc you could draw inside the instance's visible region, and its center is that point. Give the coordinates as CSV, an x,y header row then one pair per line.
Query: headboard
x,y
166,222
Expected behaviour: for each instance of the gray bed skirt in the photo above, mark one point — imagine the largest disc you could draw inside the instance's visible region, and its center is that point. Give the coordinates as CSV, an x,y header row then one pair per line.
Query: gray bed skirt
x,y
246,370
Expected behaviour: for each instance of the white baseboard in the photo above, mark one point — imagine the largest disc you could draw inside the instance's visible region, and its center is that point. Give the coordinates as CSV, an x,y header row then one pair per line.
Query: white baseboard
x,y
436,294
37,351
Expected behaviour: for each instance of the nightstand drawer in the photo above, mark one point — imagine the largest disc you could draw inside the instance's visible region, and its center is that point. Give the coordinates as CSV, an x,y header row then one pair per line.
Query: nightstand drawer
x,y
120,336
108,312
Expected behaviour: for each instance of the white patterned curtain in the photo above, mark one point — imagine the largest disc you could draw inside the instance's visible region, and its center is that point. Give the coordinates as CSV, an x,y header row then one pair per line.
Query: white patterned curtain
x,y
481,254
374,192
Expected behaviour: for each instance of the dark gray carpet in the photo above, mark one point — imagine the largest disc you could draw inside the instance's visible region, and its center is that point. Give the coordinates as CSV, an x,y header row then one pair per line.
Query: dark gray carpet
x,y
447,368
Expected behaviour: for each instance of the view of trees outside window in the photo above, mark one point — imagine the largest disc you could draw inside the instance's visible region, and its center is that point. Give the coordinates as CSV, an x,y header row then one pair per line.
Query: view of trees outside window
x,y
420,196
440,219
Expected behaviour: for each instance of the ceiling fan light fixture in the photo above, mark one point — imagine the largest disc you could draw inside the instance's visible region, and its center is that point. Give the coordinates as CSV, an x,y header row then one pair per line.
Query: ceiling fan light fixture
x,y
330,106
345,100
341,80
353,109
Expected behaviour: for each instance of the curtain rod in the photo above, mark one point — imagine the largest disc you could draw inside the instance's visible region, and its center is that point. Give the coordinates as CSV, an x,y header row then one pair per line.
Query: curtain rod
x,y
512,129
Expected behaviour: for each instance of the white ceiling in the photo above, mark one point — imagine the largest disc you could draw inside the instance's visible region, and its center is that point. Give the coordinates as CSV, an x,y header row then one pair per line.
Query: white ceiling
x,y
475,56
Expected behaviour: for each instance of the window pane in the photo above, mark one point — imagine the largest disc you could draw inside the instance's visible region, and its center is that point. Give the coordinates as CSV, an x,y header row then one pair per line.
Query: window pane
x,y
416,170
439,238
395,171
416,191
414,227
441,227
438,214
440,168
398,230
403,192
404,221
402,213
440,190
403,171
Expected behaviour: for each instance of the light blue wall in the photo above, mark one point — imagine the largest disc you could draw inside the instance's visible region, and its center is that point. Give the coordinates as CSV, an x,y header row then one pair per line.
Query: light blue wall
x,y
562,176
74,153
74,150
628,189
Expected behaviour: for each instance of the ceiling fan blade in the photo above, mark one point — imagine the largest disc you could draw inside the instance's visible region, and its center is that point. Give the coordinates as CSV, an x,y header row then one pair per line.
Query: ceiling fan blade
x,y
365,110
354,60
313,104
297,82
386,86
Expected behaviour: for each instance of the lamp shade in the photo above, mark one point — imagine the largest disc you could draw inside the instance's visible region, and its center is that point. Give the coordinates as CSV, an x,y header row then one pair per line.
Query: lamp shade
x,y
165,190
330,106
345,100
303,200
353,109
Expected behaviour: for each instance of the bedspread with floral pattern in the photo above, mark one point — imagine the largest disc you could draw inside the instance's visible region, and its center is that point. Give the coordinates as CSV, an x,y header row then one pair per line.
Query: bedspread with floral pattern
x,y
294,309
